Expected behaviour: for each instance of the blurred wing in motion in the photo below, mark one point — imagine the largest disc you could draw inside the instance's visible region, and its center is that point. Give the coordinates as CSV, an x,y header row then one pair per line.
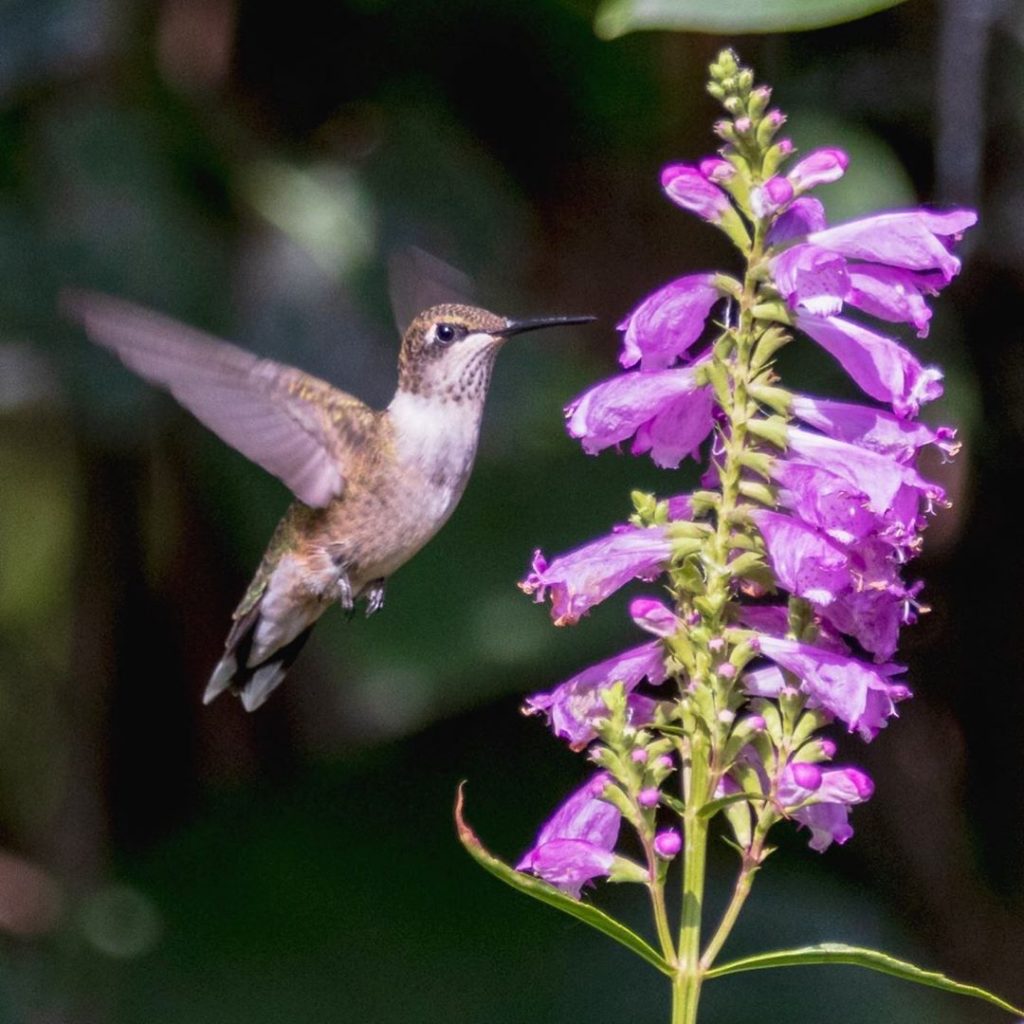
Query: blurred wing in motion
x,y
295,426
418,281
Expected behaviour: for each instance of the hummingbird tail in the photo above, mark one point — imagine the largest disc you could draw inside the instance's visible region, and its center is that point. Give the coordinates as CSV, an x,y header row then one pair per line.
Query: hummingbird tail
x,y
253,684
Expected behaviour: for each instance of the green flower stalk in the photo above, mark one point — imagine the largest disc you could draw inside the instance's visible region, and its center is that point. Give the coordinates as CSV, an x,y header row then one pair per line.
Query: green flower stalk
x,y
782,589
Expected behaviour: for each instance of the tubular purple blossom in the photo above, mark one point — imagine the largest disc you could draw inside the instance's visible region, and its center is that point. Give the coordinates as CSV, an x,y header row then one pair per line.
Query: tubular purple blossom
x,y
877,364
803,216
812,279
575,845
825,500
860,695
807,563
585,577
872,428
912,239
574,706
664,326
823,806
665,412
893,294
894,491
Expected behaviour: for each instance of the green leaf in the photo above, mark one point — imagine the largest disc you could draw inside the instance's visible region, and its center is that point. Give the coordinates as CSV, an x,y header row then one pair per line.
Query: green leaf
x,y
541,890
617,17
709,810
855,956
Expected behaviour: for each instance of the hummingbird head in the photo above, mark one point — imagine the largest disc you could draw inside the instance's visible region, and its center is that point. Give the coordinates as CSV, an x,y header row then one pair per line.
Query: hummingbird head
x,y
448,351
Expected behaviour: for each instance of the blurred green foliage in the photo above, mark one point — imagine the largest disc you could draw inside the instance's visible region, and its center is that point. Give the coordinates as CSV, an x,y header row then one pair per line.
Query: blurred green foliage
x,y
617,17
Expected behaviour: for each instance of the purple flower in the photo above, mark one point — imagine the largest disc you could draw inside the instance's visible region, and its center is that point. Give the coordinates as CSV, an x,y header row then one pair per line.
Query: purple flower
x,y
856,588
858,694
818,168
821,800
664,411
823,499
874,610
688,188
586,576
811,279
911,239
894,491
803,216
805,562
892,294
667,323
574,706
820,281
881,367
576,843
872,428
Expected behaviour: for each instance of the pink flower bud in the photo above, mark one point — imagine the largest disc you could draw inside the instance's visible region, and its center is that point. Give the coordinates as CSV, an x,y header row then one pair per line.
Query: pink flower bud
x,y
688,188
767,199
668,843
649,797
818,168
638,756
727,670
715,169
665,761
652,615
806,775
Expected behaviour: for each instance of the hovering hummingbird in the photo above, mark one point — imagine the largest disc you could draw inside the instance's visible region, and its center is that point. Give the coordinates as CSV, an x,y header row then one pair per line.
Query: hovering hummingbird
x,y
371,486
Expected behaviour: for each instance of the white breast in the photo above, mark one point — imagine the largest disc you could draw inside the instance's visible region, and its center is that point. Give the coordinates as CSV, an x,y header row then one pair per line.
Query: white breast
x,y
435,444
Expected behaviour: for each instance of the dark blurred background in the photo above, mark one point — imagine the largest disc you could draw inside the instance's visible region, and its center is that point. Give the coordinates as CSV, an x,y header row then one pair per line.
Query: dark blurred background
x,y
248,168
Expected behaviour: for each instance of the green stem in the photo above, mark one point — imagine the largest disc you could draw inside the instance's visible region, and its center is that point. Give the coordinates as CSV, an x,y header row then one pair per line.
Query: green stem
x,y
689,973
751,862
656,887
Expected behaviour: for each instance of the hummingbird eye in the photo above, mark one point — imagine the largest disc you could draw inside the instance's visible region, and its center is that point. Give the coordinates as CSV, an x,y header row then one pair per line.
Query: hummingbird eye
x,y
447,333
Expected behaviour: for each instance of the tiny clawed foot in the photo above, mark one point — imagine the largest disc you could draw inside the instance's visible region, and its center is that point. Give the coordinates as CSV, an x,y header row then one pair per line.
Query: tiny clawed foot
x,y
345,596
374,597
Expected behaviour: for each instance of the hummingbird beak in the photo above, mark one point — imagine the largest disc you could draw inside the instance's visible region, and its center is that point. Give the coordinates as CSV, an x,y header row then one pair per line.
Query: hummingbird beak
x,y
536,323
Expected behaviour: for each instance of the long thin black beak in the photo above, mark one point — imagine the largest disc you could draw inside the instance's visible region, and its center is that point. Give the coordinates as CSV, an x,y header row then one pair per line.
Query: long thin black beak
x,y
536,323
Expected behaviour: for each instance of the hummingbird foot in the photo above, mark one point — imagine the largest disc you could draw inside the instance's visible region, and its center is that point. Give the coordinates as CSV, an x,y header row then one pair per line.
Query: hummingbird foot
x,y
375,596
345,596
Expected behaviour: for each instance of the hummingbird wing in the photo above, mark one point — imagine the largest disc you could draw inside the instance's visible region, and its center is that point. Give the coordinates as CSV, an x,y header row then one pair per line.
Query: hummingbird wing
x,y
417,280
298,427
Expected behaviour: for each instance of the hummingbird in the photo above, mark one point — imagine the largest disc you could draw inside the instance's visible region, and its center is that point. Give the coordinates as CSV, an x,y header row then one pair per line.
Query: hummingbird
x,y
371,486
